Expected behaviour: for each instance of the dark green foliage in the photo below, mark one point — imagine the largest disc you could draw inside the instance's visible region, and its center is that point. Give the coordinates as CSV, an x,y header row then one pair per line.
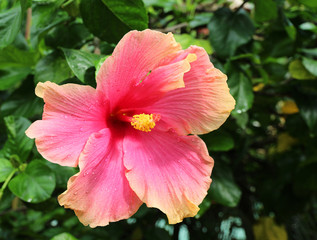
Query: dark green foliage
x,y
112,19
35,184
229,29
265,153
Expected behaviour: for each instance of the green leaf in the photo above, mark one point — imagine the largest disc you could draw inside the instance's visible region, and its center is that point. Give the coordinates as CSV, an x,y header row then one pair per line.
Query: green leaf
x,y
298,70
200,19
52,68
241,89
168,5
10,24
265,10
310,65
123,15
229,30
290,28
45,16
14,57
10,77
15,65
96,23
99,64
68,36
223,189
23,102
64,236
28,106
131,13
309,3
308,110
17,143
62,173
242,119
5,169
203,207
283,45
80,61
310,51
187,40
308,26
35,184
219,141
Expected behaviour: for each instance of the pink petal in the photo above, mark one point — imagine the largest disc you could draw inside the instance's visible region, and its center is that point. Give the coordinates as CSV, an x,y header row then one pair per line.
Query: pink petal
x,y
205,102
100,193
168,171
71,114
134,57
161,80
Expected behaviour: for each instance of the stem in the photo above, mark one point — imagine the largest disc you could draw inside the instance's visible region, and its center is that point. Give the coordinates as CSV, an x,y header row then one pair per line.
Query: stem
x,y
67,3
173,28
6,182
28,24
241,6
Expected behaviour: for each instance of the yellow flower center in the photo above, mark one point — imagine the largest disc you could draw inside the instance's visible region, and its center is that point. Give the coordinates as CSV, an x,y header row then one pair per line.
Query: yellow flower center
x,y
143,122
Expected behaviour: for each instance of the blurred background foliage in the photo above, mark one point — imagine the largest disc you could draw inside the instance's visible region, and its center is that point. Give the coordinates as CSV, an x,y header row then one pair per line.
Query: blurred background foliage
x,y
265,176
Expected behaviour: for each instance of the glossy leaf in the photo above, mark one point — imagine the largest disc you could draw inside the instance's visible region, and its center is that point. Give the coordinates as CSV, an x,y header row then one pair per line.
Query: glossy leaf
x,y
290,28
15,65
5,169
298,70
24,107
308,110
203,207
131,13
23,102
80,61
229,30
62,173
14,57
17,143
241,89
52,68
223,189
13,76
310,51
242,119
45,16
310,65
308,26
68,36
123,16
35,184
200,19
10,23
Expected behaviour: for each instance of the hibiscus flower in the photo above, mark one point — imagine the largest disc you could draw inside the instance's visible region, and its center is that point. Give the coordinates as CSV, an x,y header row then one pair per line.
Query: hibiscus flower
x,y
130,135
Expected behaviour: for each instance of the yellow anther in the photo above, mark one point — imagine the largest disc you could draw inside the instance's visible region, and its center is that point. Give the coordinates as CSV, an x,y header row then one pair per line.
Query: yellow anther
x,y
143,122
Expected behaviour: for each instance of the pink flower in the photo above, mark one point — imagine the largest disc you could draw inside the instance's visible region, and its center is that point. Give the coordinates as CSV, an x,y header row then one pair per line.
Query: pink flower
x,y
130,135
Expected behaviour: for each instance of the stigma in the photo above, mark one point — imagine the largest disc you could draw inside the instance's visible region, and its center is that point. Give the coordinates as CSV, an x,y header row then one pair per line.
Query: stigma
x,y
144,122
